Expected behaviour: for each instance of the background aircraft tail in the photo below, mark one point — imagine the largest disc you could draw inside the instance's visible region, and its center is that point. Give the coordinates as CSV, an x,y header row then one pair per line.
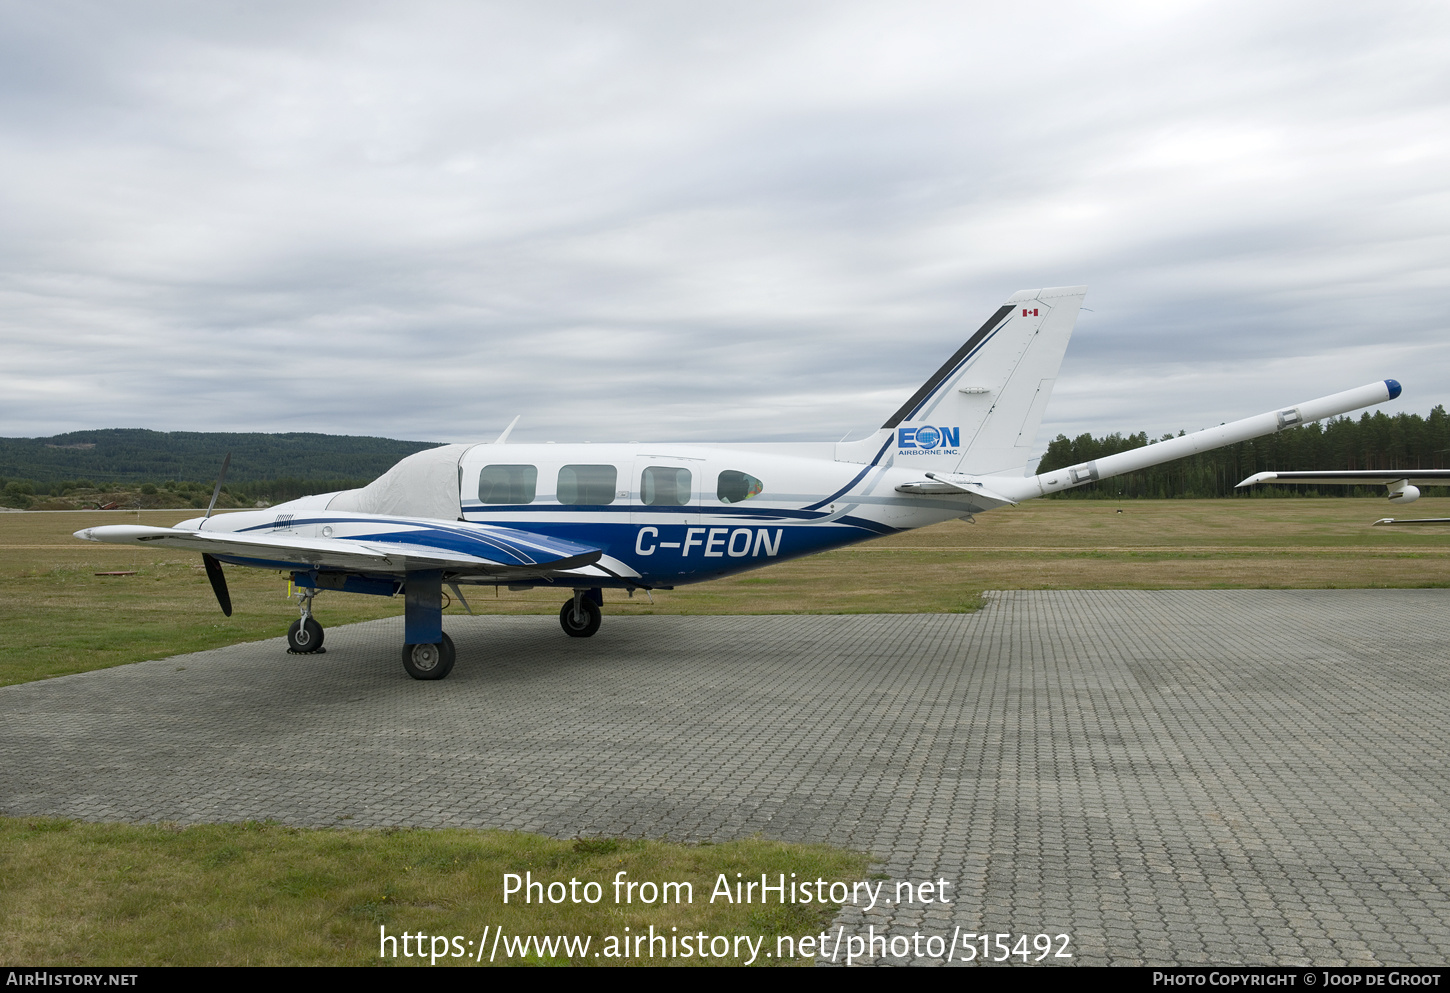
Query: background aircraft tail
x,y
979,413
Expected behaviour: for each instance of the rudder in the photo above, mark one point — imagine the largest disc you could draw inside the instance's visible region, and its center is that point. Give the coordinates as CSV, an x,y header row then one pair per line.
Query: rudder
x,y
979,413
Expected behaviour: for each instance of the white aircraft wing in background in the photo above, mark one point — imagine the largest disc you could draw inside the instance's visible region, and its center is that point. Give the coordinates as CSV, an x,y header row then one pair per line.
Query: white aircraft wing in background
x,y
1403,485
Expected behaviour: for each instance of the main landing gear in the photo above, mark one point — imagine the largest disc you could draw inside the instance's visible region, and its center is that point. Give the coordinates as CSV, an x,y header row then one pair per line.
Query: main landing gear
x,y
428,652
429,661
581,616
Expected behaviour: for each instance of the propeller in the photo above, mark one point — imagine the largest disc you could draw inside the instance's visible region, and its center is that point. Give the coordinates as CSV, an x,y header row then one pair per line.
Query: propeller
x,y
507,431
221,477
213,567
218,582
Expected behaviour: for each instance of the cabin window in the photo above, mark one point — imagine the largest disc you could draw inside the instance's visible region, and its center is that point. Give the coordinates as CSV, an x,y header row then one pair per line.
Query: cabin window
x,y
665,486
513,484
734,486
587,485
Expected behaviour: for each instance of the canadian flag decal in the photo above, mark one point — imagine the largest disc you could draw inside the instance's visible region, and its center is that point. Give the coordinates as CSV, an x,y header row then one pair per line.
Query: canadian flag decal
x,y
1029,313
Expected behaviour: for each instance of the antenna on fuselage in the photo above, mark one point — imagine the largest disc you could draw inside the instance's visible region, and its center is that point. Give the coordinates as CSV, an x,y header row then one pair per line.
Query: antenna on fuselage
x,y
508,430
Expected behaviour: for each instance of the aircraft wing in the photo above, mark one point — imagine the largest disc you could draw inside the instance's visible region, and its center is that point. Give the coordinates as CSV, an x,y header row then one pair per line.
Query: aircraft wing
x,y
1417,520
1355,477
500,552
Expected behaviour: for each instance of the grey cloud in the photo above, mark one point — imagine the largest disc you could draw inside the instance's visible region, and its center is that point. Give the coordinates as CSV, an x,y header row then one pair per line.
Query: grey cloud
x,y
737,222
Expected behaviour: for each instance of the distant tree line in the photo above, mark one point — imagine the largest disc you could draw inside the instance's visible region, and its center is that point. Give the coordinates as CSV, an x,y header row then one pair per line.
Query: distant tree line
x,y
1374,441
133,456
24,494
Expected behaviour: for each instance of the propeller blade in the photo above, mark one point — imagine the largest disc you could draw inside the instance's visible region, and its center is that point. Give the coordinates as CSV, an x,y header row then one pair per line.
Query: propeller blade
x,y
221,476
218,582
507,431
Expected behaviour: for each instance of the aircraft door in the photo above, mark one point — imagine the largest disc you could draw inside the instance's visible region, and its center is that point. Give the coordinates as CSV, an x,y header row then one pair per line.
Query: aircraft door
x,y
665,513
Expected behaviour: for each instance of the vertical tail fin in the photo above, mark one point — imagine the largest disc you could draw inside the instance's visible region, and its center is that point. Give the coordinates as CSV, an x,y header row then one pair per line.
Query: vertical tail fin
x,y
979,413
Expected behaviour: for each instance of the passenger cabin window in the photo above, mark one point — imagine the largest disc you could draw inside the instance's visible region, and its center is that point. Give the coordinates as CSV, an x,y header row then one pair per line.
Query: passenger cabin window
x,y
587,485
665,486
513,484
734,486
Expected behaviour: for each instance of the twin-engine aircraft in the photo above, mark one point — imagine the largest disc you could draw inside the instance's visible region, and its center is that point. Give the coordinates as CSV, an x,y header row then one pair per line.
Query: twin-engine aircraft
x,y
586,518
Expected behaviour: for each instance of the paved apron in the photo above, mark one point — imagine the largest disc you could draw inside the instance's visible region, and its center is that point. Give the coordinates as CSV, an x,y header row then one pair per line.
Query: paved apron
x,y
1171,776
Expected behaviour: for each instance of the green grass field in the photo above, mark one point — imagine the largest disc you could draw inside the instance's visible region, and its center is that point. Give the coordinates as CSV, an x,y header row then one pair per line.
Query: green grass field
x,y
266,894
263,894
60,617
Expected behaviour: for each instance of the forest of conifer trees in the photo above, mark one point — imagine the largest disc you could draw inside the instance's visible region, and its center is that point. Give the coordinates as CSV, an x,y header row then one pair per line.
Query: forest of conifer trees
x,y
1374,441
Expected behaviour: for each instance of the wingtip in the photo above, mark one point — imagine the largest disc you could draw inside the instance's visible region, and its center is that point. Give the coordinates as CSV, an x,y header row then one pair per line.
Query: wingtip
x,y
1393,386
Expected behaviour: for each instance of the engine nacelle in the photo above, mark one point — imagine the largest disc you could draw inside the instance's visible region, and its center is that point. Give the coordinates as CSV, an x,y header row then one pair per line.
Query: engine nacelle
x,y
1403,492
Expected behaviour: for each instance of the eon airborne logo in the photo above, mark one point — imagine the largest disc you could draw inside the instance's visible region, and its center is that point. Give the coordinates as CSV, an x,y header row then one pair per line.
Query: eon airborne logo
x,y
928,437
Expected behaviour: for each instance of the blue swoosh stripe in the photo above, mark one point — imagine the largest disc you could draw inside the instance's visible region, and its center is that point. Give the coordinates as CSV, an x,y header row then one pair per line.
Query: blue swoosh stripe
x,y
488,545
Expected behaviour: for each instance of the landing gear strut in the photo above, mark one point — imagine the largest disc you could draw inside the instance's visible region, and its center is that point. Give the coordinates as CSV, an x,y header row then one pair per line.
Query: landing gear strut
x,y
581,616
305,635
428,652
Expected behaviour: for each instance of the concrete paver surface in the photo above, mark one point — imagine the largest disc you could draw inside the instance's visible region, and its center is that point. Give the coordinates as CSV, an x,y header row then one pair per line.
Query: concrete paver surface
x,y
1169,776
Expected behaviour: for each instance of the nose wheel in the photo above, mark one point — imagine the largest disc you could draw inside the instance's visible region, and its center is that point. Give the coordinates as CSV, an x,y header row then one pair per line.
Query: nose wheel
x,y
304,637
429,661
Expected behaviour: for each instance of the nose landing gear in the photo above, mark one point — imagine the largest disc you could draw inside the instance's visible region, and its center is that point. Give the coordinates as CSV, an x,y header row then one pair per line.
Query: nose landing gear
x,y
305,635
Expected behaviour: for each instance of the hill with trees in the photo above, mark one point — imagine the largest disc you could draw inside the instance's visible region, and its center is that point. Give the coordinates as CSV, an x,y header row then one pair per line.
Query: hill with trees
x,y
136,455
179,467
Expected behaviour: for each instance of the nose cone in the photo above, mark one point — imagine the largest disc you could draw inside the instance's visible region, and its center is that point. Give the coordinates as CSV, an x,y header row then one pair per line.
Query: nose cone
x,y
84,534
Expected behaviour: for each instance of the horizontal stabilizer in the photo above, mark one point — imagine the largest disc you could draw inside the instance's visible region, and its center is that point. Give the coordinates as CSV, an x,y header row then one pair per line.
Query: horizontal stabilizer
x,y
947,482
1059,480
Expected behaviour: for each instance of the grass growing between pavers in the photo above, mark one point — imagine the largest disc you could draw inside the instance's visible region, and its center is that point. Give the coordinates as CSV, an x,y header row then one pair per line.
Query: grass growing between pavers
x,y
59,617
75,893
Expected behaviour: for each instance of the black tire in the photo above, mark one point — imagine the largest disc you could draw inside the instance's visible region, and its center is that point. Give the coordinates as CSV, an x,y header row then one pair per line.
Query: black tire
x,y
593,617
429,661
304,638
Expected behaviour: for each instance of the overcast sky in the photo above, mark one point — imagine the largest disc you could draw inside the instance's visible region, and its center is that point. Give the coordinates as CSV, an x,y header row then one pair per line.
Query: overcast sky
x,y
728,221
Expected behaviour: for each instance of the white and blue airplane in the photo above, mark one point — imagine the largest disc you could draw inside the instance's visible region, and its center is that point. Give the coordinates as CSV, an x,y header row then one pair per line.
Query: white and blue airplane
x,y
586,518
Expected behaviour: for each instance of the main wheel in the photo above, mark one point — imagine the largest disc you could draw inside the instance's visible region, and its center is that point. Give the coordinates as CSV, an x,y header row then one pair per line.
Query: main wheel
x,y
586,623
429,661
304,637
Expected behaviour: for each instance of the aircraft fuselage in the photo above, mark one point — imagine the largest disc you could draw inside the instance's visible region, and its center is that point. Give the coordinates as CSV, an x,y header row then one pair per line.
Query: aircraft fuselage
x,y
664,515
